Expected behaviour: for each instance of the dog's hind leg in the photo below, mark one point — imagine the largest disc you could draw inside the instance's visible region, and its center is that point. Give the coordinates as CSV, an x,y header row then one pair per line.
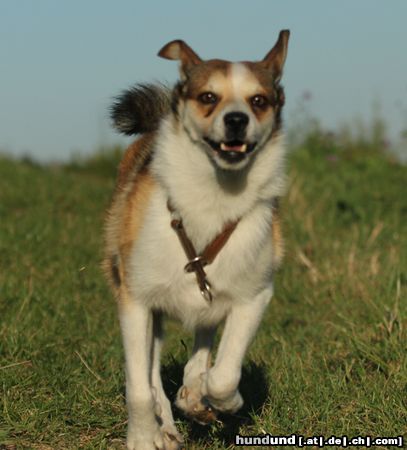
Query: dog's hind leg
x,y
136,322
189,396
220,383
172,438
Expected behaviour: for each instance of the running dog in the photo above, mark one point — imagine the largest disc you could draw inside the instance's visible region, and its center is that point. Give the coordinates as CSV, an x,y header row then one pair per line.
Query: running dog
x,y
193,230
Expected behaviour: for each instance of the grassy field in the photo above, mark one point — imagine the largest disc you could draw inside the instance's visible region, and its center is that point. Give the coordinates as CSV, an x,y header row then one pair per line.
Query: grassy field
x,y
330,357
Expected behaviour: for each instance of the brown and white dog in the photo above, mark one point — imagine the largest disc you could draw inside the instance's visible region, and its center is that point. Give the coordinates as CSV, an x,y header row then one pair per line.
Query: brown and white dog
x,y
193,231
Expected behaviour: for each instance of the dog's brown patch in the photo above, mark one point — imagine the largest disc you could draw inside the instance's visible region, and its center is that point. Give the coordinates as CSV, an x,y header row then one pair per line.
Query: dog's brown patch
x,y
126,215
277,235
268,87
135,158
135,207
200,76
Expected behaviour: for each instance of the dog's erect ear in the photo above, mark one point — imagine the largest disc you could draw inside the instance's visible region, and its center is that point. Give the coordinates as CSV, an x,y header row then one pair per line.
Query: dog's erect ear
x,y
275,58
179,50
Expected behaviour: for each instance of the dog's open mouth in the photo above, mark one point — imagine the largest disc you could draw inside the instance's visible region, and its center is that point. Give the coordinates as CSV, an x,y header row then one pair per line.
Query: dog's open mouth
x,y
231,151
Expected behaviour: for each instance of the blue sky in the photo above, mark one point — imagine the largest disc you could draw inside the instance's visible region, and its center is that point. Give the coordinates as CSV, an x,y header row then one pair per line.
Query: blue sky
x,y
61,61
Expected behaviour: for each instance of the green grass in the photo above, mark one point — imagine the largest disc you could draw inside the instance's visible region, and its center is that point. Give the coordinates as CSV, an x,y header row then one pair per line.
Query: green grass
x,y
330,357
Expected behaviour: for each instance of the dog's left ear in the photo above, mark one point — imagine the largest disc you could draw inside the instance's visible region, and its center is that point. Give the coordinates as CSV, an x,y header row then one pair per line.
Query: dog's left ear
x,y
179,50
275,58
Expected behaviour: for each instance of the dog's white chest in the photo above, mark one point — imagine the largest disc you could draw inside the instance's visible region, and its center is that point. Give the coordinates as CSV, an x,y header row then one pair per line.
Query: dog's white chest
x,y
239,271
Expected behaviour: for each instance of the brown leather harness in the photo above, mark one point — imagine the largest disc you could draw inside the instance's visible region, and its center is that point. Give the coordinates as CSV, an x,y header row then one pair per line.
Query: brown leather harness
x,y
196,263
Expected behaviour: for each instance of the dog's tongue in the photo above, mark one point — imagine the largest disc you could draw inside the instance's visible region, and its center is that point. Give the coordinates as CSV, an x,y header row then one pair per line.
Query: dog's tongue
x,y
233,147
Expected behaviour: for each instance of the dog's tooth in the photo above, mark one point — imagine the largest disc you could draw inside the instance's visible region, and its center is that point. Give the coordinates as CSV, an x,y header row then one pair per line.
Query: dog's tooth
x,y
225,147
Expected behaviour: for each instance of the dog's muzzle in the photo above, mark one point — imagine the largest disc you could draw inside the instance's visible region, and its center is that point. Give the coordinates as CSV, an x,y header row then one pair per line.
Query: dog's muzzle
x,y
231,151
235,146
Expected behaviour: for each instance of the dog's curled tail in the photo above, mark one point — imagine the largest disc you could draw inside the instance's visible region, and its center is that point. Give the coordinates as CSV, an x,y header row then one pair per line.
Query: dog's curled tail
x,y
140,108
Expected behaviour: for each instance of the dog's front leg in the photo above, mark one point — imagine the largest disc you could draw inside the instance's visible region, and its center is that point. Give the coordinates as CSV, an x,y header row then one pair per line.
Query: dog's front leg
x,y
189,397
136,323
220,384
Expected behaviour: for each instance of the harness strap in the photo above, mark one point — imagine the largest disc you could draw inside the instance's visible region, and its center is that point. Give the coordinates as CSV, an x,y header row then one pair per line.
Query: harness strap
x,y
196,263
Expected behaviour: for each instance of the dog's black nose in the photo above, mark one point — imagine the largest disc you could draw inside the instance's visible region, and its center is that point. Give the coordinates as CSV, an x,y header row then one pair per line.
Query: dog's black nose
x,y
236,121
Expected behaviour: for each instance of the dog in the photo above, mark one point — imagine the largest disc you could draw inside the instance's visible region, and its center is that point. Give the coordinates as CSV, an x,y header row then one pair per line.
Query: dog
x,y
193,230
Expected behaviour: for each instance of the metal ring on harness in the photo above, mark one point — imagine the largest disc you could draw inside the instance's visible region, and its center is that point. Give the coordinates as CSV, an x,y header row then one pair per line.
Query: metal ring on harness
x,y
206,291
189,266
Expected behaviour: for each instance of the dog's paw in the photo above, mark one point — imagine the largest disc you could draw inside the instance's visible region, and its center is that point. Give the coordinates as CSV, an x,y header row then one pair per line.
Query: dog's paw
x,y
194,406
222,400
228,405
161,438
172,438
160,442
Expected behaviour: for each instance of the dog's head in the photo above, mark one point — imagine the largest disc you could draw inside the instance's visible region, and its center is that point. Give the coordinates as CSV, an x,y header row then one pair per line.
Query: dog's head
x,y
230,109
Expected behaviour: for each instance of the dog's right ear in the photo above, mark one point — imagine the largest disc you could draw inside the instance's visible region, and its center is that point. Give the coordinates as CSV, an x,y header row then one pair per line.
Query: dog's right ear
x,y
178,50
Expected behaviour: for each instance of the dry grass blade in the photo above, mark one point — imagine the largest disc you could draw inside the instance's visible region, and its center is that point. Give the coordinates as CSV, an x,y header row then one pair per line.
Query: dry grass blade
x,y
88,367
305,261
375,233
21,363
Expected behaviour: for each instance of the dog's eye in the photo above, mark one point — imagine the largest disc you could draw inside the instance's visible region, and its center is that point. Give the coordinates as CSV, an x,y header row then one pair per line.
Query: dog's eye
x,y
259,101
208,98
